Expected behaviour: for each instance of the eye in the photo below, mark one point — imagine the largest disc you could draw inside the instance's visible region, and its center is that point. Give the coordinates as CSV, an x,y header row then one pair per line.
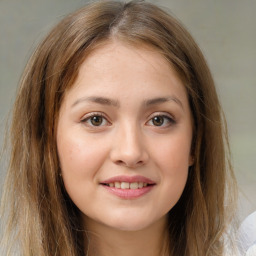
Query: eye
x,y
161,121
95,119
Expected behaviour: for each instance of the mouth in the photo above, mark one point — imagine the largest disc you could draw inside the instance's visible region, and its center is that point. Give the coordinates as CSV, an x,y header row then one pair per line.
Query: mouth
x,y
127,187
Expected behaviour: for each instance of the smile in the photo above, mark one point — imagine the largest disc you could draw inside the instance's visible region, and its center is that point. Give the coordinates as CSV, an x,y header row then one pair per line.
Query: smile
x,y
127,187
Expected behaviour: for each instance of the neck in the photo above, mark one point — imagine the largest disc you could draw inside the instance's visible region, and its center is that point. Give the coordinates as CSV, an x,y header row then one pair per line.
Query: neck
x,y
106,241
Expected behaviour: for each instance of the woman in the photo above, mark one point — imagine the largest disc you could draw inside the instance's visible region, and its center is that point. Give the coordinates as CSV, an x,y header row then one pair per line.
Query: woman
x,y
119,144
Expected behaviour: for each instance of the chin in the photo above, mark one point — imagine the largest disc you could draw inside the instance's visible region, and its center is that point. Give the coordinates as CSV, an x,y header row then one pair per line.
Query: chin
x,y
125,219
130,222
129,226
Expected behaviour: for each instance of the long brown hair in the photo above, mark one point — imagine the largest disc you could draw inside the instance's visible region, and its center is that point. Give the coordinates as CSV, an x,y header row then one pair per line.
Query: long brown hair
x,y
41,219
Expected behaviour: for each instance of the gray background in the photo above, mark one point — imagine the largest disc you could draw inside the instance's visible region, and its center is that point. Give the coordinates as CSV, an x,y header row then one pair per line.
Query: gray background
x,y
225,31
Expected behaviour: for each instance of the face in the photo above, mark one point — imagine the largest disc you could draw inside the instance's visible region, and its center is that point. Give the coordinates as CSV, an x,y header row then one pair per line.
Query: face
x,y
124,137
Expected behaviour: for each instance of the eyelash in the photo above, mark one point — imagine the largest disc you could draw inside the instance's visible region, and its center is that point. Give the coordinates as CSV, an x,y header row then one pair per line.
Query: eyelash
x,y
168,121
88,118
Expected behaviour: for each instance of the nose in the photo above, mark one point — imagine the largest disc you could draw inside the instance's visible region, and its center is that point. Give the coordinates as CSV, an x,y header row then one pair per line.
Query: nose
x,y
129,148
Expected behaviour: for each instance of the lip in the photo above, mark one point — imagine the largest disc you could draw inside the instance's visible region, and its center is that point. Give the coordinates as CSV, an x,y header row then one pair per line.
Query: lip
x,y
130,179
128,193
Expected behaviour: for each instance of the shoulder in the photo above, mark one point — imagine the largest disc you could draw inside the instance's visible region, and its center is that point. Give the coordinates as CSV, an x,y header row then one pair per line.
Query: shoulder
x,y
247,236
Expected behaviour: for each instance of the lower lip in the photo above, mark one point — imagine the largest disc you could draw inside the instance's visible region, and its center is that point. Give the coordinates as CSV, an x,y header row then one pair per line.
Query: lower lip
x,y
129,193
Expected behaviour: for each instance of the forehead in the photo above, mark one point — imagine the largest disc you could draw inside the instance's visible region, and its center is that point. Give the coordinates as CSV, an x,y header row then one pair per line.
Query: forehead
x,y
123,54
114,65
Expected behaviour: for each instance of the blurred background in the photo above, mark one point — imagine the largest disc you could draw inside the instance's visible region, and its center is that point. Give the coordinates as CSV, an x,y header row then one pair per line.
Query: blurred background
x,y
225,31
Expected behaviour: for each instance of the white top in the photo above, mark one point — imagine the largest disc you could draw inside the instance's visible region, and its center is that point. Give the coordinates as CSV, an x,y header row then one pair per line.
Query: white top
x,y
247,236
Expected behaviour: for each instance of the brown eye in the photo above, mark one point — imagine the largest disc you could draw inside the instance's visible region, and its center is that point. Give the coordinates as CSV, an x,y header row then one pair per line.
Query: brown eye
x,y
96,120
158,120
161,121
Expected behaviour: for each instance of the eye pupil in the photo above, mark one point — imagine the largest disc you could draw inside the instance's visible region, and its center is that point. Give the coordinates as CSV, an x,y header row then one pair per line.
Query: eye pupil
x,y
96,120
158,120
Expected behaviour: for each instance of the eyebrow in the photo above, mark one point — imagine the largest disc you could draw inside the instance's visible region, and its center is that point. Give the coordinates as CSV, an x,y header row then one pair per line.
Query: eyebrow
x,y
115,103
160,100
99,100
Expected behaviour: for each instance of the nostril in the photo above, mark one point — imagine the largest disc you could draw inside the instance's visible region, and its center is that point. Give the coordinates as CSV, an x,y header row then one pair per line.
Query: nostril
x,y
119,162
129,164
130,157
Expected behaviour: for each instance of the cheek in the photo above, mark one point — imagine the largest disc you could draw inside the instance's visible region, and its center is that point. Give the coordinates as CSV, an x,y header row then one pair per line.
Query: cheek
x,y
173,153
173,161
81,160
80,157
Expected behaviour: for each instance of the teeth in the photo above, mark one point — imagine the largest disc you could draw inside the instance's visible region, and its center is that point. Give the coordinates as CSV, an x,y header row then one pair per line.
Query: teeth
x,y
134,185
117,185
124,185
127,185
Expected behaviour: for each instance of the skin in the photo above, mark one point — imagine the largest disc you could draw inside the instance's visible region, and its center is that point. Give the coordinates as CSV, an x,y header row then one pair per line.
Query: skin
x,y
127,141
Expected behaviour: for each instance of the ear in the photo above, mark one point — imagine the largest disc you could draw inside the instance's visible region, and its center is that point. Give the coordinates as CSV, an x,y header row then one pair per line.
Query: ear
x,y
191,160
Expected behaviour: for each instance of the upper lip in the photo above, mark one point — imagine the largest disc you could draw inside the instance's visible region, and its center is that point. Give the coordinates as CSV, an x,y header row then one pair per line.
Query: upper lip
x,y
130,179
